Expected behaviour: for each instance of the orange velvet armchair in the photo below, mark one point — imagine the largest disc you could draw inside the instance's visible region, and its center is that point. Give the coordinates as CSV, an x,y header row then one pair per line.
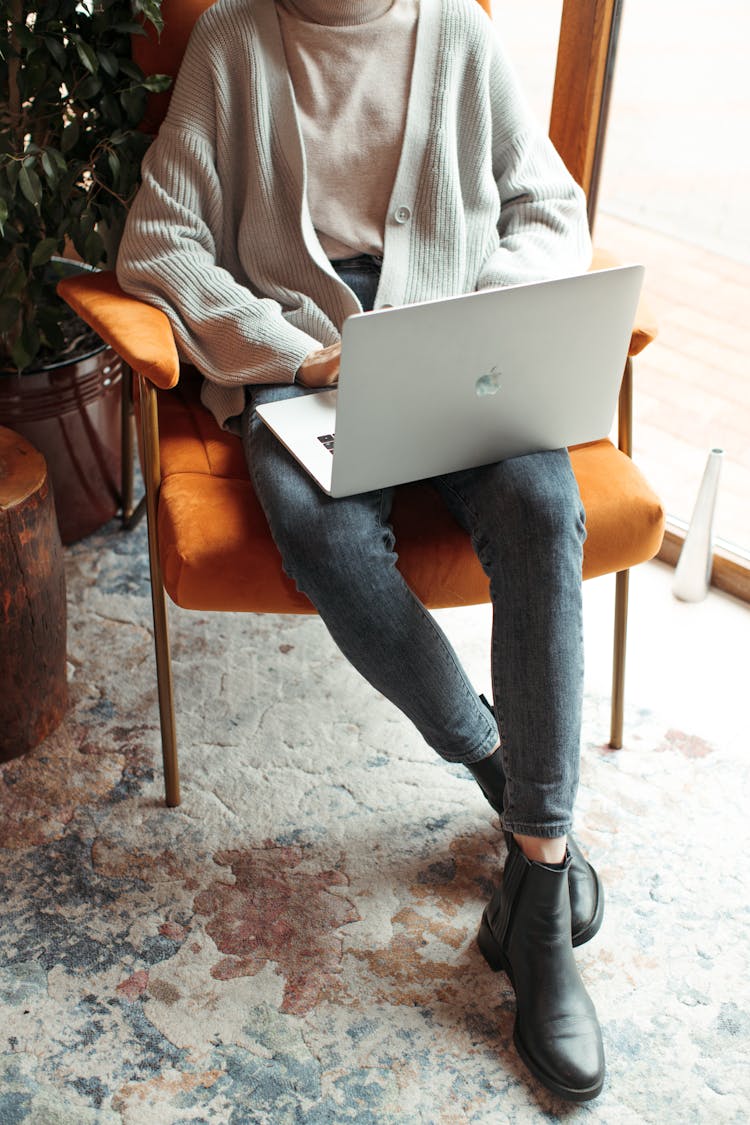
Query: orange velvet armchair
x,y
191,468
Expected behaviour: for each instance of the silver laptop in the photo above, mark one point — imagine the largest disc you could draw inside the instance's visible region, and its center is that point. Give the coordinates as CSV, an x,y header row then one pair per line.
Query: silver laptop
x,y
443,385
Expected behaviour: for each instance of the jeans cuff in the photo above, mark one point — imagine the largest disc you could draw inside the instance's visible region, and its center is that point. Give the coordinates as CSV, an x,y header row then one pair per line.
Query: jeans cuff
x,y
478,754
545,831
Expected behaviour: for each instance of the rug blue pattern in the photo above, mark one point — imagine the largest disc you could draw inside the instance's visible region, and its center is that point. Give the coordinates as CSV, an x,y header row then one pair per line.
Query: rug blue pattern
x,y
296,942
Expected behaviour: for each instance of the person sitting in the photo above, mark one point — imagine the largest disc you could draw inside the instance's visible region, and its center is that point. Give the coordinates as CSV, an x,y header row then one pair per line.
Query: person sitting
x,y
324,157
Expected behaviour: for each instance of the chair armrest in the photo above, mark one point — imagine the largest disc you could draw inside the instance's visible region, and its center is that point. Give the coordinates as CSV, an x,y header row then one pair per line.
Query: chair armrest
x,y
140,334
645,328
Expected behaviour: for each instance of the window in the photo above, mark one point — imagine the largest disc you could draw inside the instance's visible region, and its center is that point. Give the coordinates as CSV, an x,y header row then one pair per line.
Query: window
x,y
674,195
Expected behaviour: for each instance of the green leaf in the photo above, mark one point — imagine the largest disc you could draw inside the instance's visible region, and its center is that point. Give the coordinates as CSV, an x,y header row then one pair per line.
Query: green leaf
x,y
13,283
26,346
30,185
114,165
89,88
87,55
85,223
157,83
58,158
131,69
20,355
110,108
43,251
70,135
134,103
93,249
51,171
56,49
57,174
109,63
9,310
49,328
3,214
151,9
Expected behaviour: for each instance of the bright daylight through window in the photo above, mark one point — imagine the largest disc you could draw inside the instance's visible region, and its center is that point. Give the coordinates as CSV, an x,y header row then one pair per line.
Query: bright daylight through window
x,y
673,195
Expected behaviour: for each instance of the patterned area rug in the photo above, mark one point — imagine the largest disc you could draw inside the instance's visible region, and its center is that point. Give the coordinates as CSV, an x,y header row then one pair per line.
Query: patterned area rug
x,y
296,942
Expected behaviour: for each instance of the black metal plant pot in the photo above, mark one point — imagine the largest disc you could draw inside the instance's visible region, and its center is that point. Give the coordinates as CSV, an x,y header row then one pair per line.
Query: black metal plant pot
x,y
71,413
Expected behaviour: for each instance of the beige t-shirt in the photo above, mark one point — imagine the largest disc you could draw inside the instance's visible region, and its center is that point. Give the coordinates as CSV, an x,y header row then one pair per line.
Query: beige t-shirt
x,y
350,62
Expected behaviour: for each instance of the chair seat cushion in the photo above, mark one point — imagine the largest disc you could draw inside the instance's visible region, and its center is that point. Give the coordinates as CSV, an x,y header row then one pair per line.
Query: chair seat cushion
x,y
217,552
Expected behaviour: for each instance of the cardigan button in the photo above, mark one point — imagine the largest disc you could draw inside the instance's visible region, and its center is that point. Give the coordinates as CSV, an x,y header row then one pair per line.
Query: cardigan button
x,y
402,215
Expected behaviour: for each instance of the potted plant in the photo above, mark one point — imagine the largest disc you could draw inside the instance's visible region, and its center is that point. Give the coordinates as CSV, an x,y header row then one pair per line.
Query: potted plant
x,y
71,102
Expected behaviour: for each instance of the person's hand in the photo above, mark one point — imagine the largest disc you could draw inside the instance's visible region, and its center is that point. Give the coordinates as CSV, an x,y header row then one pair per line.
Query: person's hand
x,y
321,369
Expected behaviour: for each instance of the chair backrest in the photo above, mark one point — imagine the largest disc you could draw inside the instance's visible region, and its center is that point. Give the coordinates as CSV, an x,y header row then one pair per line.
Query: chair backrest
x,y
163,54
579,97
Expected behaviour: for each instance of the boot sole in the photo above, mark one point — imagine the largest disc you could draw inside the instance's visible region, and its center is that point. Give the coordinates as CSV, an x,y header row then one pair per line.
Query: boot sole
x,y
570,1095
498,962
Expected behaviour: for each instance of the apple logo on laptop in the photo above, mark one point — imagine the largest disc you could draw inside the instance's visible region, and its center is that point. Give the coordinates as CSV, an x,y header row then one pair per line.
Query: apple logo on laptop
x,y
488,384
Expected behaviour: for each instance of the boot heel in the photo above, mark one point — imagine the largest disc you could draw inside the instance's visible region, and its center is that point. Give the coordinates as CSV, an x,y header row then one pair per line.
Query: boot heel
x,y
490,950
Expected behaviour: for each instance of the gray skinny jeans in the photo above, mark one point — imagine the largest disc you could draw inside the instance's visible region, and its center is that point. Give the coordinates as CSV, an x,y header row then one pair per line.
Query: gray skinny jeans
x,y
526,523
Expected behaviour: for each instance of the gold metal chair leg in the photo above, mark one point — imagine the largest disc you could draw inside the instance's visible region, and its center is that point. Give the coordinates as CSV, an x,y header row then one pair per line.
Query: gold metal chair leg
x,y
132,513
126,444
622,578
166,697
618,661
152,473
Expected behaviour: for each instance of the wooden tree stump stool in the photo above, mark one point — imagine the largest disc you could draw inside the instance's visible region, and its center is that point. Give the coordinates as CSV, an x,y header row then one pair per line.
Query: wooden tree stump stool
x,y
33,618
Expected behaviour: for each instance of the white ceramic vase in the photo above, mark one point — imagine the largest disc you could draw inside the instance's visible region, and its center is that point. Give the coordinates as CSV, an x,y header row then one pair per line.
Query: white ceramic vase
x,y
693,574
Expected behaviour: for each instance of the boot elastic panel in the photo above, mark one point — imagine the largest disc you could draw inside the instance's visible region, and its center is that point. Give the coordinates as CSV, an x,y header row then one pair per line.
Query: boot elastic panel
x,y
490,777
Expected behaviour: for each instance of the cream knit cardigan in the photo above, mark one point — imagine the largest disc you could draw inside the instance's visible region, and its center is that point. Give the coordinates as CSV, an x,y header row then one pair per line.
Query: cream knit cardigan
x,y
220,236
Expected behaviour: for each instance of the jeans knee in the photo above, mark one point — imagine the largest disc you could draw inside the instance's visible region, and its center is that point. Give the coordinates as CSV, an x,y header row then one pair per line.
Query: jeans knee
x,y
549,503
557,516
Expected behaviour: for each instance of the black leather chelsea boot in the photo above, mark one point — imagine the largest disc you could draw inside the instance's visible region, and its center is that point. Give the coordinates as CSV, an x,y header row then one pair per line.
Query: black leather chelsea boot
x,y
525,931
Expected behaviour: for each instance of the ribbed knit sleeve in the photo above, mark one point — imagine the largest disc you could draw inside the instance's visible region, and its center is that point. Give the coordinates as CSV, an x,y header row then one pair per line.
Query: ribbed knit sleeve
x,y
173,240
543,226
